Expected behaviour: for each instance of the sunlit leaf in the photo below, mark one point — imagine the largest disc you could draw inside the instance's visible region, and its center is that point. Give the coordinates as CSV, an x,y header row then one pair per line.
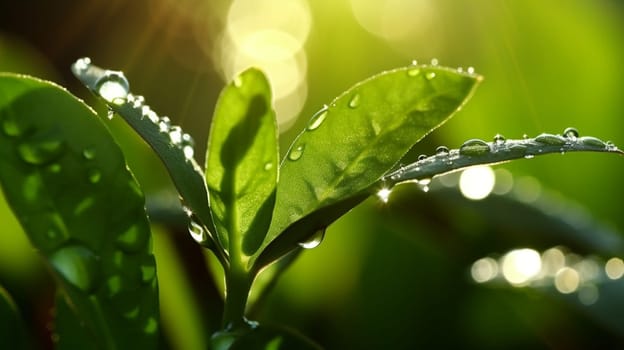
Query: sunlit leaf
x,y
242,162
361,135
68,185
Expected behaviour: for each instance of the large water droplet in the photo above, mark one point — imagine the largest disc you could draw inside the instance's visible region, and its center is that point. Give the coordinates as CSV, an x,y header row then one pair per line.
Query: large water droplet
x,y
422,157
442,150
314,240
592,141
198,232
38,152
132,240
296,152
571,133
430,75
499,140
355,101
550,139
474,147
77,265
112,85
318,118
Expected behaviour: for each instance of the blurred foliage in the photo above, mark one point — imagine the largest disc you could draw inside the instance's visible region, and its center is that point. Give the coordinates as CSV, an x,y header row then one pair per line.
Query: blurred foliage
x,y
383,275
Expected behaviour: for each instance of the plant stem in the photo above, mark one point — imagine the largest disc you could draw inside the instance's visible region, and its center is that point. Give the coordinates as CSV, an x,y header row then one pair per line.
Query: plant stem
x,y
238,282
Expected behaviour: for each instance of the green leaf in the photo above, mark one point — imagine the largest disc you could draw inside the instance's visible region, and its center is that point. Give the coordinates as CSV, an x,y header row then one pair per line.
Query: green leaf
x,y
172,146
242,162
12,330
262,337
363,133
68,185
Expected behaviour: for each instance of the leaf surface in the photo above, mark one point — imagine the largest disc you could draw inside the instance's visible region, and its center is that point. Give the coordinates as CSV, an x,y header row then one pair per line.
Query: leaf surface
x,y
242,162
67,183
359,137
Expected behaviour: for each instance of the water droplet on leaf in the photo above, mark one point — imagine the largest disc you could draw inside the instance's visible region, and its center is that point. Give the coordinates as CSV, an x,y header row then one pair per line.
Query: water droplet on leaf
x,y
132,240
10,127
268,166
571,133
77,265
296,152
474,147
412,72
112,85
434,61
470,70
384,194
550,139
318,118
148,270
88,153
430,75
422,157
38,152
592,141
499,139
314,241
113,285
164,124
94,176
529,156
175,135
355,101
151,326
81,65
442,150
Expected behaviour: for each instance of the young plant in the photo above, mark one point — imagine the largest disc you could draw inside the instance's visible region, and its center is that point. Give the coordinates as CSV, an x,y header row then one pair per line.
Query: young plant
x,y
83,210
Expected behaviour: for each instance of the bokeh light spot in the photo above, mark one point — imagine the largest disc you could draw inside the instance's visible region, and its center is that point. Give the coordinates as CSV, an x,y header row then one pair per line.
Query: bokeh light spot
x,y
521,265
477,182
614,268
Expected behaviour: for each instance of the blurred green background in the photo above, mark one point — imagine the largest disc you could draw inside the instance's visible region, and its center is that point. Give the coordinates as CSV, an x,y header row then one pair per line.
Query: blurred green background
x,y
398,274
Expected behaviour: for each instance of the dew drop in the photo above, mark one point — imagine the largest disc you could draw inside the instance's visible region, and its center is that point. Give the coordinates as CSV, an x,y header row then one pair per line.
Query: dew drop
x,y
318,118
460,69
175,135
197,232
430,75
113,285
525,136
474,147
40,152
94,176
164,124
434,61
137,100
414,62
77,265
499,140
470,70
571,133
592,141
422,157
412,72
442,151
151,326
148,270
529,156
355,101
88,153
189,152
112,85
314,241
132,239
268,166
550,139
110,114
151,115
10,127
81,65
384,194
296,153
423,184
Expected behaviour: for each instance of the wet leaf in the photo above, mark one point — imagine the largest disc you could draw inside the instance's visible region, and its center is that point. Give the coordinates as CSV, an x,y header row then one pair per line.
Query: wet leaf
x,y
242,162
351,144
68,185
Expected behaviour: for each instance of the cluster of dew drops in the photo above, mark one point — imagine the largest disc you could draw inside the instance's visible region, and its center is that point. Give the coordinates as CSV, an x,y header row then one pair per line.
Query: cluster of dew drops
x,y
114,87
478,147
